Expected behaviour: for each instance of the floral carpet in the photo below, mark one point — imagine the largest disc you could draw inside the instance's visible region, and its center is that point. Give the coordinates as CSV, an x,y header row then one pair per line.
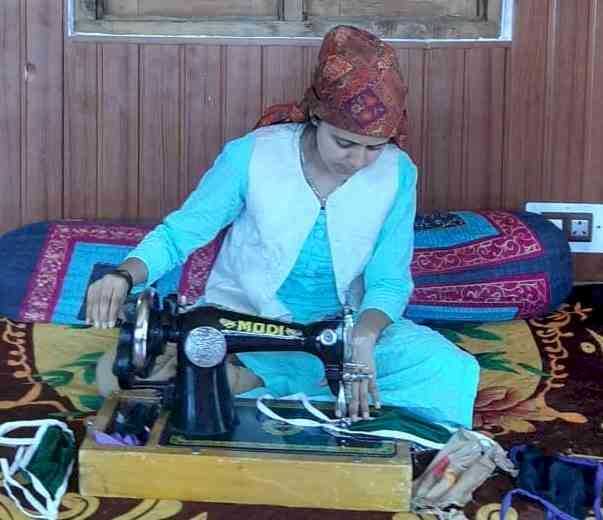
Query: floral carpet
x,y
540,383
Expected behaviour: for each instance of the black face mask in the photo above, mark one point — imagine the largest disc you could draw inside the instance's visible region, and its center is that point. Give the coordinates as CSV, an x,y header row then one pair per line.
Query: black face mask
x,y
567,487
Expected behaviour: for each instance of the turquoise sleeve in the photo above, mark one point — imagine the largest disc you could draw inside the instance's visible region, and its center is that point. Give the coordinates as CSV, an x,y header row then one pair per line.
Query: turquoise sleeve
x,y
213,205
387,278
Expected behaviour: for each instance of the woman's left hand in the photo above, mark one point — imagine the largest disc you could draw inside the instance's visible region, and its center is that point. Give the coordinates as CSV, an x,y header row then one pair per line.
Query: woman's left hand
x,y
363,353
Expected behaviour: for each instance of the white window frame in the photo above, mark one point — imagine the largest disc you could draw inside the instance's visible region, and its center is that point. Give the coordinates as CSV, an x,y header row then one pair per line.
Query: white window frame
x,y
289,30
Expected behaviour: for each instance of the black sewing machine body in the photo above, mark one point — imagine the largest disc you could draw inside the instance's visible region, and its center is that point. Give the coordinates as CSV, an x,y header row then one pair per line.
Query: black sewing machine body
x,y
199,397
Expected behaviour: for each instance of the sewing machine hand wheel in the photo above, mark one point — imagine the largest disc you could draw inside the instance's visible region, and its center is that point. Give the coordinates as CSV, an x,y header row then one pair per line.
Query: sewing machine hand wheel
x,y
141,339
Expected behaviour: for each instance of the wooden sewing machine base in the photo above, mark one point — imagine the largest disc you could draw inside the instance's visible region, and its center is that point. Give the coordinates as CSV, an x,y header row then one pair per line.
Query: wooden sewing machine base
x,y
262,462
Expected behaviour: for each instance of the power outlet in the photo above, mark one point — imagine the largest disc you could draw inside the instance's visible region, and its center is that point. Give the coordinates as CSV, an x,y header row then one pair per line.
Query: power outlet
x,y
580,229
576,226
582,223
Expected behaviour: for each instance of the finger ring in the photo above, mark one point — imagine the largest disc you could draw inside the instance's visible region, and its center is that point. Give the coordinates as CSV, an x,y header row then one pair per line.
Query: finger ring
x,y
355,366
360,376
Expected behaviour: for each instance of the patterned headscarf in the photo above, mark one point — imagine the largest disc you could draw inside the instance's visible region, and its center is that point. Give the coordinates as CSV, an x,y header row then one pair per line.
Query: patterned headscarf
x,y
357,87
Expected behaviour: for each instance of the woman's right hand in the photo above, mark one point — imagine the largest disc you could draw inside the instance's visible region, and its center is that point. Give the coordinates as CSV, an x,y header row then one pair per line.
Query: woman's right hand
x,y
104,300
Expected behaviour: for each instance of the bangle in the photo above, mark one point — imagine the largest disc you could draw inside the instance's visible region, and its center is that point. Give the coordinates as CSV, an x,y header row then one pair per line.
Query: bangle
x,y
125,275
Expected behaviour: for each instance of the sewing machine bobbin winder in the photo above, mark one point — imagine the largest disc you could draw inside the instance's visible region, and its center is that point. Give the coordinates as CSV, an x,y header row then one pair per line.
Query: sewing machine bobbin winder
x,y
205,445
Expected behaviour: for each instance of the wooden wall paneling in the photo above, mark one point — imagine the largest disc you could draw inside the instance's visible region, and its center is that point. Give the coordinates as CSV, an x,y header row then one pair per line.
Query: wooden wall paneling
x,y
42,181
403,59
80,130
202,112
507,118
592,182
590,266
444,131
118,131
160,127
417,116
310,61
526,105
587,267
411,64
549,100
11,68
566,113
483,128
283,75
242,89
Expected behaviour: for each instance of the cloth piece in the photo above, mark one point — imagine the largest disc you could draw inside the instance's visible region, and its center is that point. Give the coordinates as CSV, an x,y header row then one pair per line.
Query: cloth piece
x,y
567,487
464,464
397,419
357,86
403,427
50,462
116,439
44,460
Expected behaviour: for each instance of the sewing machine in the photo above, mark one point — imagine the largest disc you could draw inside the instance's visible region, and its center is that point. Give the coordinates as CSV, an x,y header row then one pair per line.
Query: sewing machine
x,y
204,444
200,397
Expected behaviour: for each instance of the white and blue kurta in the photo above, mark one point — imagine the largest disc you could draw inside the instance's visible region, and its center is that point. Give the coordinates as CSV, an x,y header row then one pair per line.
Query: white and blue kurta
x,y
258,182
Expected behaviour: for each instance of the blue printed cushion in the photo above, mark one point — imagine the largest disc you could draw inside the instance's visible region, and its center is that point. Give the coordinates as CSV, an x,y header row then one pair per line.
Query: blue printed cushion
x,y
488,266
467,266
48,266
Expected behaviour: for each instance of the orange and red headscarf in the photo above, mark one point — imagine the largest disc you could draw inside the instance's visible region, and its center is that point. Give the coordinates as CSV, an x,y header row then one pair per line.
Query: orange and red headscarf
x,y
357,87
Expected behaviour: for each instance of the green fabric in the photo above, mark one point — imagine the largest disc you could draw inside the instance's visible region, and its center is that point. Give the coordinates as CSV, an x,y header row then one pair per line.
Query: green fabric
x,y
397,419
52,458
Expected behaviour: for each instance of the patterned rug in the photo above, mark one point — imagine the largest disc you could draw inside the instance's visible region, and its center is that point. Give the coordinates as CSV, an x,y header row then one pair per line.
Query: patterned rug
x,y
540,383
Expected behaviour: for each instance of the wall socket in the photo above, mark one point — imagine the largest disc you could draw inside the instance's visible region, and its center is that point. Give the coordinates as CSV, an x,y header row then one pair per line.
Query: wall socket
x,y
578,227
581,222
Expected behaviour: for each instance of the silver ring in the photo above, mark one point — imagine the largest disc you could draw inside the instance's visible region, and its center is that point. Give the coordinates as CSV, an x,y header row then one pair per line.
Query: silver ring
x,y
348,377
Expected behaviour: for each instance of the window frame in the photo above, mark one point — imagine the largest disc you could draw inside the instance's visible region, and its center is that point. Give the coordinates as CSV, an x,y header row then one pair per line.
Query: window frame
x,y
84,24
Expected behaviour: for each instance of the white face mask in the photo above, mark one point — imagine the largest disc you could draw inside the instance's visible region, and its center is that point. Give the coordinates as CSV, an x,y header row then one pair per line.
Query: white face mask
x,y
46,459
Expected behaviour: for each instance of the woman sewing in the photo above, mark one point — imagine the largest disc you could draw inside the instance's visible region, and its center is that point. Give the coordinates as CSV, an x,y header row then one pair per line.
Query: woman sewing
x,y
320,200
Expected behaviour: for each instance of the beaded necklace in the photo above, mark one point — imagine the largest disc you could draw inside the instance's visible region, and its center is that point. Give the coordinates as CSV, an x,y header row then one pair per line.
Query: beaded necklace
x,y
322,199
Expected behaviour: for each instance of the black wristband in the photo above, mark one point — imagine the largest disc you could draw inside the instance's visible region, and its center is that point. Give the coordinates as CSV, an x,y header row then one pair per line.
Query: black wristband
x,y
125,274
